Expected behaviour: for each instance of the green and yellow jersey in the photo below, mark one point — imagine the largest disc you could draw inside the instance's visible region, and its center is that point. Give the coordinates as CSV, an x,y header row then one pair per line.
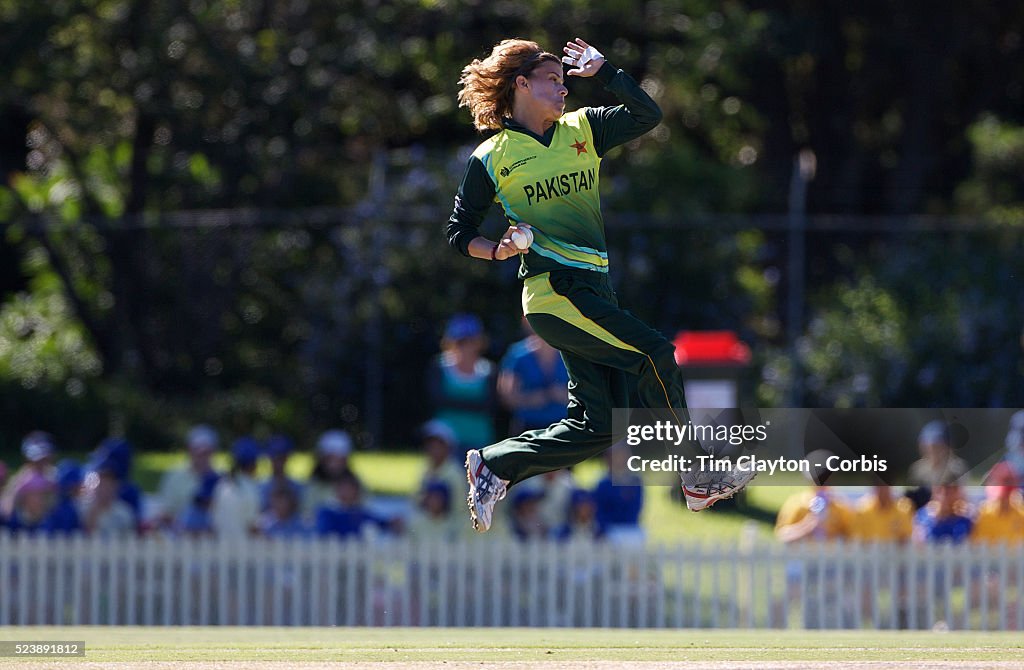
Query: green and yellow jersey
x,y
551,181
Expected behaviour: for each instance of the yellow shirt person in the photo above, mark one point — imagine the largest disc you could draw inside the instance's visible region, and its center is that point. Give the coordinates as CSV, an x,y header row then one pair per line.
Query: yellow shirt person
x,y
1001,518
881,517
815,514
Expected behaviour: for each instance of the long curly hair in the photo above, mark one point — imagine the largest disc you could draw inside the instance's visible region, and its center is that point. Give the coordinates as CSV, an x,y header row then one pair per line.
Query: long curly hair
x,y
488,85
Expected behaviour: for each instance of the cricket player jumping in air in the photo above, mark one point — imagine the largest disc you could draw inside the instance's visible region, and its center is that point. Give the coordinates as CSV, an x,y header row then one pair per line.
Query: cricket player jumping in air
x,y
542,167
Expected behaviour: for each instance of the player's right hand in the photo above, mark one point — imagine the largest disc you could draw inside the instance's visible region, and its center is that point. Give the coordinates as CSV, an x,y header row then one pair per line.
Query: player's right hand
x,y
506,248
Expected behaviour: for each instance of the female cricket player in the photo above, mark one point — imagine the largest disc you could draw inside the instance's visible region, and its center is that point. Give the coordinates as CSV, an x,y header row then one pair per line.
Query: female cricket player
x,y
542,166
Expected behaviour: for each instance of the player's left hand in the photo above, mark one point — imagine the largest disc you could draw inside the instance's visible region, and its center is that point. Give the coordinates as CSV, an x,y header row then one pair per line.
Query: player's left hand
x,y
585,59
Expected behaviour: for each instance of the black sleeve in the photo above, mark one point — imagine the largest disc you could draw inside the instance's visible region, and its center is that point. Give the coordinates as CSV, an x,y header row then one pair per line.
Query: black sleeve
x,y
617,125
476,193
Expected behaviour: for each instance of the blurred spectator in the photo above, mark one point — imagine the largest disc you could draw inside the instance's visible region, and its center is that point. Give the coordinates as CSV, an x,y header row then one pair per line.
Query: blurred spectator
x,y
279,450
439,443
619,498
527,523
39,451
433,518
581,518
533,383
1001,517
557,488
115,454
813,514
946,518
235,508
1010,470
64,518
103,511
179,486
346,516
33,502
283,516
332,453
882,517
195,520
937,464
816,515
461,384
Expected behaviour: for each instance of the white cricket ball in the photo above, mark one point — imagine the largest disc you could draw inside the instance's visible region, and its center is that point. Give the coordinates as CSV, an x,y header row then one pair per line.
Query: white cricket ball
x,y
522,238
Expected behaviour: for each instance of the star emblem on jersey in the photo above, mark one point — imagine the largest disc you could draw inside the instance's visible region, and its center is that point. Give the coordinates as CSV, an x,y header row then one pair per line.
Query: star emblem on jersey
x,y
580,147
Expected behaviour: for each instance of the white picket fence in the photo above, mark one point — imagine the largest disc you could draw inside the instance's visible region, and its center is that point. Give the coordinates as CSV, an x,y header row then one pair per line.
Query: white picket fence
x,y
494,582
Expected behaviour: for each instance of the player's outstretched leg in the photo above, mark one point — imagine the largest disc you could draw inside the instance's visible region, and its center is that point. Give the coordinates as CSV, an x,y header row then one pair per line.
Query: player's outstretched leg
x,y
485,489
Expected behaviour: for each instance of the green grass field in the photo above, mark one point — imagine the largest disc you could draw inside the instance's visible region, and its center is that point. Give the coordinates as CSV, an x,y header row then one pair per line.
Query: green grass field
x,y
555,648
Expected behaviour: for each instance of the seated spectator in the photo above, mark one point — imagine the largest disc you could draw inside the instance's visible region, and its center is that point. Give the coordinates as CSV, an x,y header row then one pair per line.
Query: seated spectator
x,y
533,383
103,511
279,450
527,523
235,509
195,520
439,444
882,517
937,464
461,384
33,502
179,486
581,519
115,453
346,516
283,516
619,497
557,488
813,514
433,520
39,451
1001,517
64,518
332,454
946,518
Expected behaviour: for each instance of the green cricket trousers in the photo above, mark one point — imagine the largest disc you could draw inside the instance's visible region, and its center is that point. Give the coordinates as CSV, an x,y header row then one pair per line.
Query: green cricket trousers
x,y
576,312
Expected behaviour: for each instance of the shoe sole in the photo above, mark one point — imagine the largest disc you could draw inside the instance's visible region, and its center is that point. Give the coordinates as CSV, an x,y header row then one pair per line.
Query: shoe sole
x,y
712,499
477,524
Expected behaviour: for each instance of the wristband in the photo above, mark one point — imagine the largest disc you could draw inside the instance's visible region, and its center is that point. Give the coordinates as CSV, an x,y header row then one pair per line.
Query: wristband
x,y
494,252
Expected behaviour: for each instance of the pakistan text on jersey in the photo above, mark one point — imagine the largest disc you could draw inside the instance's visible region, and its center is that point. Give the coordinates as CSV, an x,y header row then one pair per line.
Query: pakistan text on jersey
x,y
563,184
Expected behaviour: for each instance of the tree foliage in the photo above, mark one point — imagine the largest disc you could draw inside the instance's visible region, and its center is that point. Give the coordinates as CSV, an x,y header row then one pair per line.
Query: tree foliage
x,y
116,113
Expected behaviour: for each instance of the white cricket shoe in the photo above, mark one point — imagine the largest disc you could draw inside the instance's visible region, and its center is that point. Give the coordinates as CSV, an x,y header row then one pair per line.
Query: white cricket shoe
x,y
703,489
485,489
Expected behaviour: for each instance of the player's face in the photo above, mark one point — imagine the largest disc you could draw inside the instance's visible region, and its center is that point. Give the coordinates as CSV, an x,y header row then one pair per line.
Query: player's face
x,y
547,88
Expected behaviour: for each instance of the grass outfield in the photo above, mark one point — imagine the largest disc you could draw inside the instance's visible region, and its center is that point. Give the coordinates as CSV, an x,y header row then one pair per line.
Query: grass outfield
x,y
398,647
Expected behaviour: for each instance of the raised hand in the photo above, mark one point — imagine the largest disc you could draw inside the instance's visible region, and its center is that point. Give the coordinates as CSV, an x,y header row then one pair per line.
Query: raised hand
x,y
585,59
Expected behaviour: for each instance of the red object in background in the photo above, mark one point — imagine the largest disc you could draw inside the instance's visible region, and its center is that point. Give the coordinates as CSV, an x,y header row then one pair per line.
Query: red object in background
x,y
710,347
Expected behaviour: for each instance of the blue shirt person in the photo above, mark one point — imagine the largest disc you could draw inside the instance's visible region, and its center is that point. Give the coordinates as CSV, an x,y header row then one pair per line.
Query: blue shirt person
x,y
346,516
619,498
945,518
64,518
533,383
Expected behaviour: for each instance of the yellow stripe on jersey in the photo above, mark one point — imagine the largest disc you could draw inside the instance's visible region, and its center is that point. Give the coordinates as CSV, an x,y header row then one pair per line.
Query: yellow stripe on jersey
x,y
540,297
